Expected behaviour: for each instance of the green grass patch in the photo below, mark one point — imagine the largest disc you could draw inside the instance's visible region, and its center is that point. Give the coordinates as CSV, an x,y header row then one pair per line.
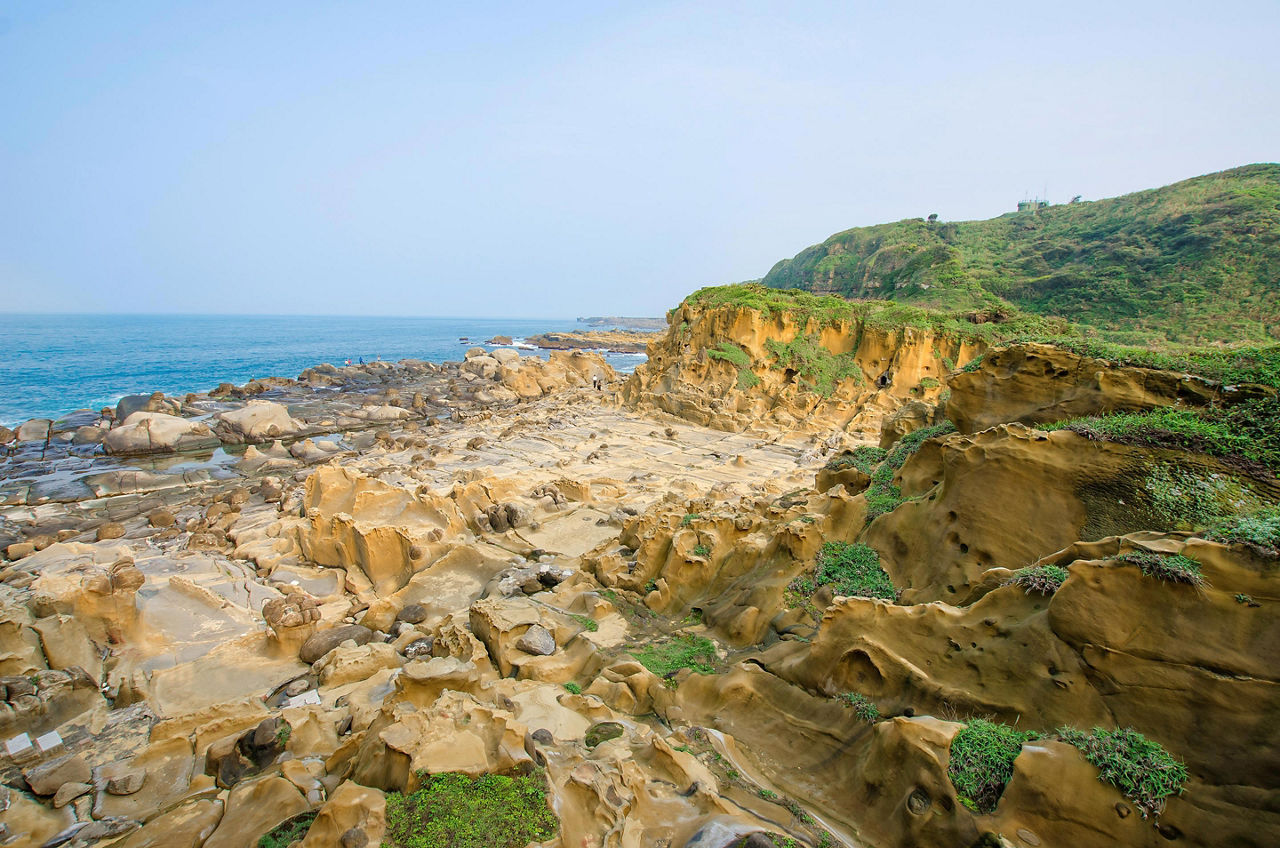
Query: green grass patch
x,y
588,623
1171,568
863,707
747,379
285,834
882,495
1188,498
573,688
1038,579
929,383
689,518
853,570
685,650
1141,769
452,810
701,550
982,756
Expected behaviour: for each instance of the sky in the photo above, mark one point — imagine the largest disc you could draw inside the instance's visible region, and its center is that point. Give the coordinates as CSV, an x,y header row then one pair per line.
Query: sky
x,y
563,159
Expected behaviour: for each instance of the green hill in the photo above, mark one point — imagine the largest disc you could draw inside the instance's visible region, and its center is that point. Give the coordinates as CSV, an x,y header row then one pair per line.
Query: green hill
x,y
1197,261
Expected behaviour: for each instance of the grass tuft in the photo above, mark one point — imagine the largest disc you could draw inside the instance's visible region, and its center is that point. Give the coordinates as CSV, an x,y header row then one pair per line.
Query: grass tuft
x,y
1171,568
862,706
853,570
683,651
286,833
1041,579
1259,531
1141,769
982,756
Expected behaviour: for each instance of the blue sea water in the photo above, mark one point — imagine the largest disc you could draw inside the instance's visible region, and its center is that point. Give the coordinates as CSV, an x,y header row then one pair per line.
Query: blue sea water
x,y
52,364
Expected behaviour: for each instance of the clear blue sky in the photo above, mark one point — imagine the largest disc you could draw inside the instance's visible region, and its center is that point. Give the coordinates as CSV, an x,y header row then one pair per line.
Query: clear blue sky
x,y
559,159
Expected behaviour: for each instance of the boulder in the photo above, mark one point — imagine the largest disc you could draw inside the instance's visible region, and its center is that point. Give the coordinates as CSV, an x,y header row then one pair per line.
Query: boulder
x,y
354,817
35,430
538,641
326,640
156,432
257,421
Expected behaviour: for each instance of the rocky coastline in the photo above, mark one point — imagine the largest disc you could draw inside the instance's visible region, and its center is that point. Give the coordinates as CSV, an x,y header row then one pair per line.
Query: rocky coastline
x,y
725,601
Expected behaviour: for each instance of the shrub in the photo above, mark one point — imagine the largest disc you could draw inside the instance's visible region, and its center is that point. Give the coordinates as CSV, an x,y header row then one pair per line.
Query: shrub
x,y
701,550
452,810
286,833
853,570
573,688
731,353
1041,579
818,368
862,706
689,518
882,496
929,383
865,458
982,756
747,379
1141,769
1171,568
972,365
1259,531
683,651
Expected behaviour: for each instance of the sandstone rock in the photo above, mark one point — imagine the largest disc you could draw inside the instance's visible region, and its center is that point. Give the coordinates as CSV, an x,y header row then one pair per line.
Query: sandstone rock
x,y
35,430
419,649
326,640
412,614
68,792
45,779
602,732
185,826
353,817
110,530
254,808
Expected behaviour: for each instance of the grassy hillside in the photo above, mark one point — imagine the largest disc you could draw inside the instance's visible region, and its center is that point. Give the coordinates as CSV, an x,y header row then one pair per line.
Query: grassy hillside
x,y
1194,262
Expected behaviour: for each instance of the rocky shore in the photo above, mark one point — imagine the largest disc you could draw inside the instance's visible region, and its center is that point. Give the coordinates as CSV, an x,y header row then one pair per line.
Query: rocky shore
x,y
725,602
614,341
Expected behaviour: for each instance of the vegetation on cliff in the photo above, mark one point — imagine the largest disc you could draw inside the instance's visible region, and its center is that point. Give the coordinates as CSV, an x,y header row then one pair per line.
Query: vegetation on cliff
x,y
982,755
1144,771
1195,261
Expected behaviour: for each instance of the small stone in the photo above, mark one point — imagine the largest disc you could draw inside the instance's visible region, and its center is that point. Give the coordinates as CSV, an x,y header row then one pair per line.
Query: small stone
x,y
68,792
126,783
297,687
602,732
110,530
1028,837
413,614
419,649
18,550
1122,810
542,736
537,640
161,518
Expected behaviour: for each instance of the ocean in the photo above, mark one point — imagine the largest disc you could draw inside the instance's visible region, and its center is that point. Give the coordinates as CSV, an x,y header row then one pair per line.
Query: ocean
x,y
53,364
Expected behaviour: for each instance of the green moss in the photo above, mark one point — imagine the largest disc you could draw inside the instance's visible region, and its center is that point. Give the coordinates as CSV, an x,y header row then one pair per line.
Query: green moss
x,y
285,834
1188,497
452,810
929,383
853,570
682,651
982,756
1040,579
1141,769
1258,531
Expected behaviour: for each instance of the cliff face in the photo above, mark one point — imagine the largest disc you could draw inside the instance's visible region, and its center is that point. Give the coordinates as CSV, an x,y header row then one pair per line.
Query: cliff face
x,y
738,368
